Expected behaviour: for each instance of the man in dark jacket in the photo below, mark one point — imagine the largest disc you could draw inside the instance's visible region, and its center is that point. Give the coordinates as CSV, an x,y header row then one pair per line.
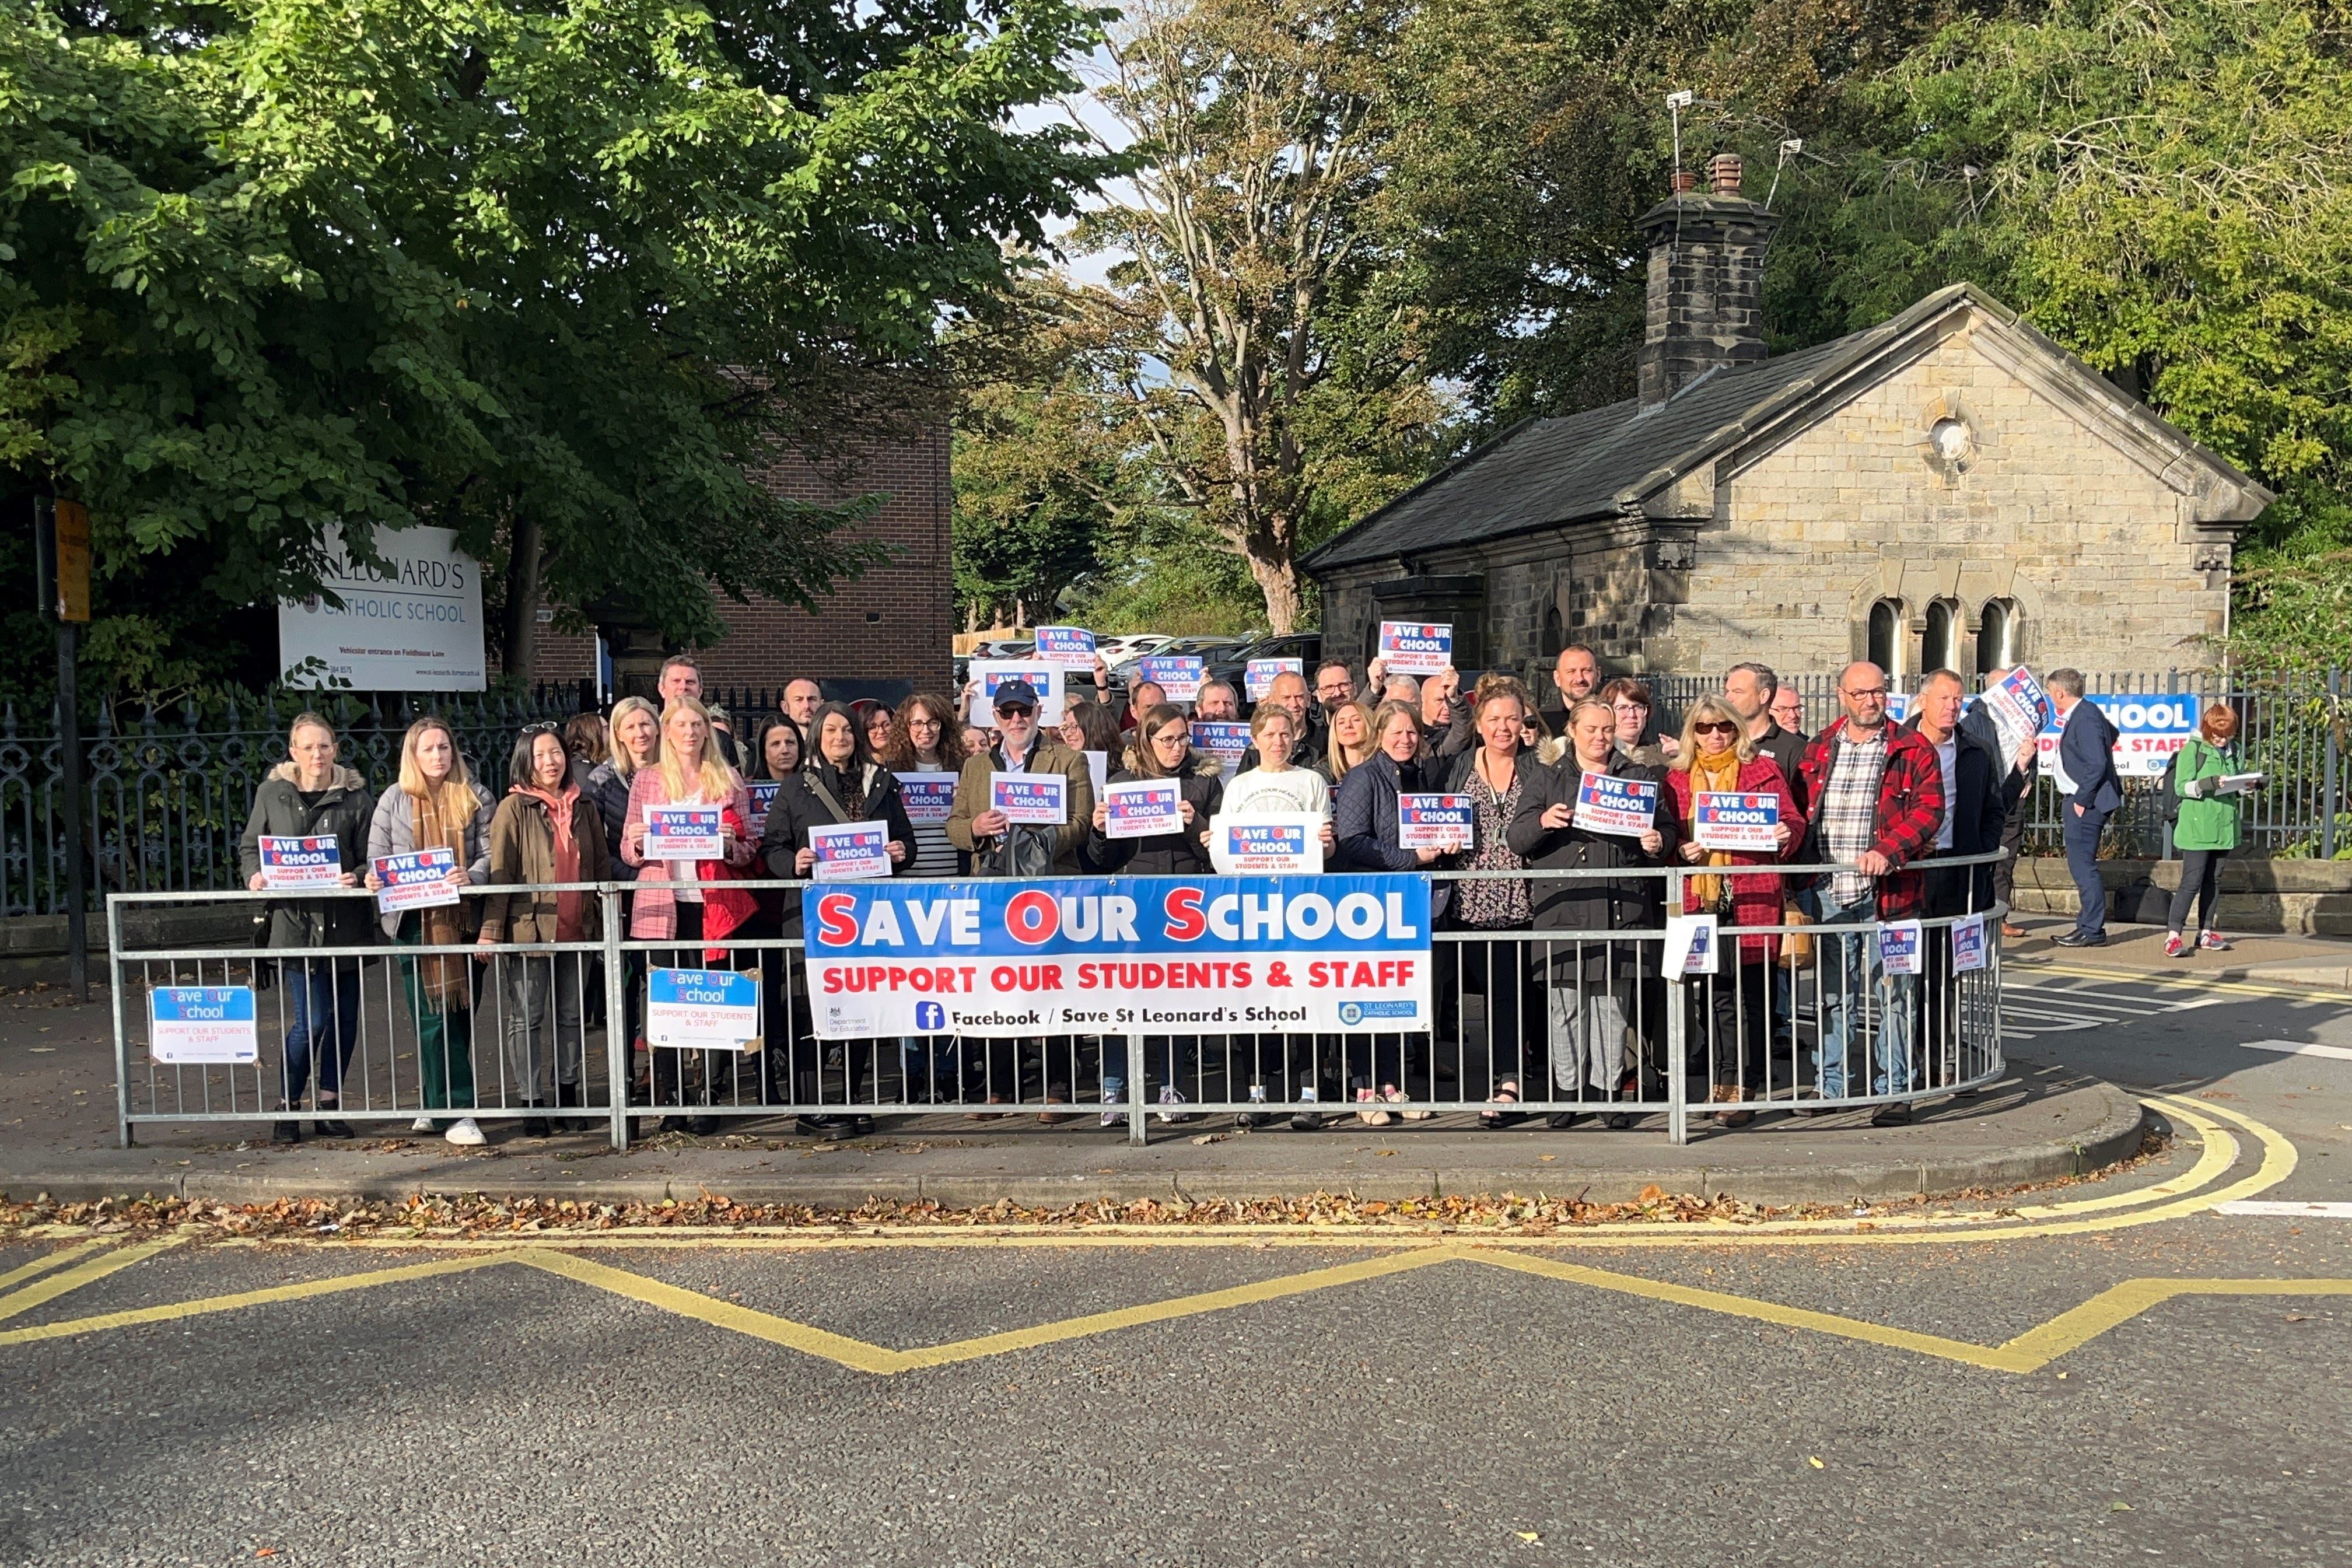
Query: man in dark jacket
x,y
1974,809
1877,799
1289,690
1750,688
2088,792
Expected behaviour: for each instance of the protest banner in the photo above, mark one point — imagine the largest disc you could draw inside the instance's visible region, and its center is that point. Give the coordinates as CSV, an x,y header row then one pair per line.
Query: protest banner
x,y
1899,947
1142,808
1259,675
1730,819
300,862
988,674
1415,647
1606,804
702,1009
1177,674
684,832
850,851
1435,821
416,881
1035,800
1286,844
1094,955
929,799
198,1025
1067,647
1222,739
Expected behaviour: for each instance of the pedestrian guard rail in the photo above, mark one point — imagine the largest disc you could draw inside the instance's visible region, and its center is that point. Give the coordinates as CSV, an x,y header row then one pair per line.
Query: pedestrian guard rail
x,y
1565,1027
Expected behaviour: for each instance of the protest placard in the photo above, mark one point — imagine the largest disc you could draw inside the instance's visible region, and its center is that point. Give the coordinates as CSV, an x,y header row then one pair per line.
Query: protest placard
x,y
416,881
1222,739
1037,800
702,1009
1177,674
1275,843
929,799
987,675
1069,648
300,862
850,851
684,832
1435,821
1259,675
1416,648
1142,808
191,1025
1606,804
1730,819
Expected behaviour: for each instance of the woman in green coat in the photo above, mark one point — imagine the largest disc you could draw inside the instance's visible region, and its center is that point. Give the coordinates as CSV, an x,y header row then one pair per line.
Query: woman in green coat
x,y
2206,830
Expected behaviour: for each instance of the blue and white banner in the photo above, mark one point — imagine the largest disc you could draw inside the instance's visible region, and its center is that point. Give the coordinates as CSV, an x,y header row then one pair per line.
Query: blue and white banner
x,y
2148,729
702,1009
1116,955
764,799
1606,803
1142,808
302,862
1415,647
1067,647
201,1023
929,799
1040,800
1224,740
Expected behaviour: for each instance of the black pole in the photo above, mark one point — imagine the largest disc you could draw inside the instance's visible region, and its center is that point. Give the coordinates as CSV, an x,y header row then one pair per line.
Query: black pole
x,y
69,744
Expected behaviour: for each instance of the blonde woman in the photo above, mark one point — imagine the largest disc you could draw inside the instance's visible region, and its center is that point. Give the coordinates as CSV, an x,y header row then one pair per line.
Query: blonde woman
x,y
436,805
632,742
1348,744
668,898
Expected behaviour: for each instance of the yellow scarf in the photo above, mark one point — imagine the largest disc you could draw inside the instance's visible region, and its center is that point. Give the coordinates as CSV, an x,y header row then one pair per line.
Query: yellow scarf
x,y
1714,775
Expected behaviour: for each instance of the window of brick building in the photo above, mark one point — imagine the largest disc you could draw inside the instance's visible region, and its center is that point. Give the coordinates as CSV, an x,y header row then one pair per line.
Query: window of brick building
x,y
1997,636
1942,648
1885,639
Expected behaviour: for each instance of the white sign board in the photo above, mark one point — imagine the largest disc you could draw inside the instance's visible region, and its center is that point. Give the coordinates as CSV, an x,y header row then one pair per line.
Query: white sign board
x,y
416,627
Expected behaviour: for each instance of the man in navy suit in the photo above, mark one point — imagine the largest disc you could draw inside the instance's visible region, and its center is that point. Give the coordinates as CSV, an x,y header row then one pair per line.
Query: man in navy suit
x,y
2088,790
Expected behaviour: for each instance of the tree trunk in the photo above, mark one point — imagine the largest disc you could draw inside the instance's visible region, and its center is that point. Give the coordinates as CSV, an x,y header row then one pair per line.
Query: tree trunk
x,y
520,643
1278,579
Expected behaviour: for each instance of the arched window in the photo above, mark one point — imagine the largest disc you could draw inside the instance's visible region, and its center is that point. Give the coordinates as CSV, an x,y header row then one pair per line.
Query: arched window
x,y
1997,636
1942,648
1555,633
1373,639
1886,639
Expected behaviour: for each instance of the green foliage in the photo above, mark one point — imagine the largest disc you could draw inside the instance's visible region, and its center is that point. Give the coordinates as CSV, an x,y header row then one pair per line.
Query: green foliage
x,y
551,273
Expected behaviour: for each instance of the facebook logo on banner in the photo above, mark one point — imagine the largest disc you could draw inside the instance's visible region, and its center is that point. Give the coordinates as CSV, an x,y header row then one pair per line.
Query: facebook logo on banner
x,y
930,1018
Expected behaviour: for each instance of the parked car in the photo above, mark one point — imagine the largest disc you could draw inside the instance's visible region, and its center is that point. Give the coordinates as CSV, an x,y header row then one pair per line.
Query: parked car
x,y
1117,651
1306,648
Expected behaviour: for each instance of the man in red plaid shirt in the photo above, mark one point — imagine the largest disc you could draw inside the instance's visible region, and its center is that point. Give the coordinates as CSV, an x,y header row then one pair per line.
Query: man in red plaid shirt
x,y
1877,798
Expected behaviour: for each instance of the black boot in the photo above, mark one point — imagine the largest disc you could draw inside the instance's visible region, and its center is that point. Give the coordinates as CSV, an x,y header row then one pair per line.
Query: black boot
x,y
533,1124
567,1096
286,1132
327,1127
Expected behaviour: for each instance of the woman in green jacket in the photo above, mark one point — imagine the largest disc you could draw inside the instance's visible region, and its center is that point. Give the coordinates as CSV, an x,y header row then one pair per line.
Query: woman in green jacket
x,y
2206,830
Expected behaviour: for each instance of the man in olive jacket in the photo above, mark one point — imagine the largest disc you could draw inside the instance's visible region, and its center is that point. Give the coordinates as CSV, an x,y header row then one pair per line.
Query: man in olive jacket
x,y
1002,848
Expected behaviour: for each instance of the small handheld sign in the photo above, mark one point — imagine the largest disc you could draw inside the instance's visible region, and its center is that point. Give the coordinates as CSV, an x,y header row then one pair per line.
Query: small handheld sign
x,y
1606,804
763,799
1730,819
1070,648
1037,800
683,833
1177,674
1143,809
1222,739
302,862
1899,947
1275,843
850,851
1416,648
190,1024
1259,675
928,798
1969,948
416,881
1690,945
1435,821
988,675
702,1009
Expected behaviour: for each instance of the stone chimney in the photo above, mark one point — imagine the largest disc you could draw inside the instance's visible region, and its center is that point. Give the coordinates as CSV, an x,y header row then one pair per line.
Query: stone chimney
x,y
1707,280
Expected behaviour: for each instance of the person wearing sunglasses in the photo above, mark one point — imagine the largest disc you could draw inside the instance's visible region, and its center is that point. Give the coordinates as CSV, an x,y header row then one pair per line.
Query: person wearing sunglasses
x,y
1876,799
1733,1020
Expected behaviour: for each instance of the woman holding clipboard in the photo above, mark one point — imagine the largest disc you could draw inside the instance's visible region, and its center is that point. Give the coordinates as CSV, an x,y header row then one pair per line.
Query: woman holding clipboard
x,y
1598,987
1717,757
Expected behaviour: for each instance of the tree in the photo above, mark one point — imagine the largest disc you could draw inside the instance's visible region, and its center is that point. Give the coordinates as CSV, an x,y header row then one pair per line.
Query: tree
x,y
552,276
1257,344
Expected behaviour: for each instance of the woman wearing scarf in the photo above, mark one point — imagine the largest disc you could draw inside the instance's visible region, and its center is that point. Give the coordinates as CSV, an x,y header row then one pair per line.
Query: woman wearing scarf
x,y
840,782
436,807
1494,774
1717,757
545,831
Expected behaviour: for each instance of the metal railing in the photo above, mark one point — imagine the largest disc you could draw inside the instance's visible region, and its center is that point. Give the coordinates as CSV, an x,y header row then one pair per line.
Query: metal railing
x,y
1577,1024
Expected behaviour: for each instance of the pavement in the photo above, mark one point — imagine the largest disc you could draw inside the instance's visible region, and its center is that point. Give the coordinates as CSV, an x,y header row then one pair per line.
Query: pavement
x,y
2153,1366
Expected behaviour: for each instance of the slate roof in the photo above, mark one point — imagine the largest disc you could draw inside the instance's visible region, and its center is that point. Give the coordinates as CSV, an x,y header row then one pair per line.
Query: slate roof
x,y
1544,473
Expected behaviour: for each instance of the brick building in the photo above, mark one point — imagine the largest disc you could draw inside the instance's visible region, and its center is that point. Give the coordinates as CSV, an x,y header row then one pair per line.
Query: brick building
x,y
1947,489
884,634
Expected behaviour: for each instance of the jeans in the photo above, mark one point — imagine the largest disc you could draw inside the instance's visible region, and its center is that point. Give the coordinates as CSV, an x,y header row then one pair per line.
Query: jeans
x,y
2200,880
2082,838
323,995
1852,978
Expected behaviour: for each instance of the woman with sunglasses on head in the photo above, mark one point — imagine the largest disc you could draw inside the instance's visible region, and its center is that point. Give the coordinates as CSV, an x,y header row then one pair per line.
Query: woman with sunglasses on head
x,y
435,805
1718,757
1163,749
670,902
841,782
544,831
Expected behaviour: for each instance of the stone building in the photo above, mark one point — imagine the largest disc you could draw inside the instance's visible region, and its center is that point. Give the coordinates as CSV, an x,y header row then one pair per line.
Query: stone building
x,y
884,634
1947,489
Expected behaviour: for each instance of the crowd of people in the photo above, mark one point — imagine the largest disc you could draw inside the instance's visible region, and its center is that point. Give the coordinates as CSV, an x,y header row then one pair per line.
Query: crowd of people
x,y
1884,802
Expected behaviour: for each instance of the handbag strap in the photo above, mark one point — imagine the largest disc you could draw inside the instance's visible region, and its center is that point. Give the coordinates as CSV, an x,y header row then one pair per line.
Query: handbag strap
x,y
824,795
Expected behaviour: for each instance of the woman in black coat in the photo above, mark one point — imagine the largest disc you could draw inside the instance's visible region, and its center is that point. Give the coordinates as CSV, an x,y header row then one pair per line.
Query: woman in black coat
x,y
839,783
1598,987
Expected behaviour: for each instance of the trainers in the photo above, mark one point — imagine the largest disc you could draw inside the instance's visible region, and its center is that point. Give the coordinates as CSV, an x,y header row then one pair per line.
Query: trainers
x,y
1112,1096
422,1124
2214,941
2174,947
466,1133
1170,1095
1306,1120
